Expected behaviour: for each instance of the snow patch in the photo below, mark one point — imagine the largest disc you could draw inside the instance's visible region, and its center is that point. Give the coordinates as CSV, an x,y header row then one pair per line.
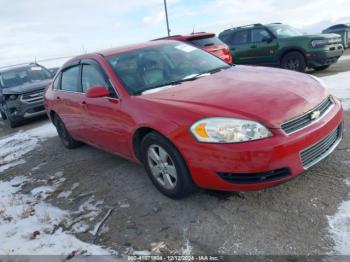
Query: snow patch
x,y
13,147
339,226
344,57
338,85
36,225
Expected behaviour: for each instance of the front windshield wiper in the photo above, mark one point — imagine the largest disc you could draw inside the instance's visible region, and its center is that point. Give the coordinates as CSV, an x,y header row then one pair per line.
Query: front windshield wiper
x,y
172,83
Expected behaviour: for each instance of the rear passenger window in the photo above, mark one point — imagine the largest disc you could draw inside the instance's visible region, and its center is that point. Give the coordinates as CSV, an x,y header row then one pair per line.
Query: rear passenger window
x,y
92,77
70,79
240,37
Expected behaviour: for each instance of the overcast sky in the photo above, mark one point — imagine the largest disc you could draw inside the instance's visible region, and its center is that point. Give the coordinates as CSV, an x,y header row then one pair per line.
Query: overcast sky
x,y
43,29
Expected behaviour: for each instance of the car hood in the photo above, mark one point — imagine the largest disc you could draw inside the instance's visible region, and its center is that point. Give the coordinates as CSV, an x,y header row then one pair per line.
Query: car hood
x,y
315,37
271,96
26,88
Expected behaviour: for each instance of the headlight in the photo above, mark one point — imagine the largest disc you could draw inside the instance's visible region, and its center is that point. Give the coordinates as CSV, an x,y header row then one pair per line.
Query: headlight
x,y
12,97
319,43
228,130
319,80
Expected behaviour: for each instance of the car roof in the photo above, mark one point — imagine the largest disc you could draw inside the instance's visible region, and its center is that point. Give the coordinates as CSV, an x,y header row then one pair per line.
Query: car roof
x,y
15,67
120,50
186,37
251,26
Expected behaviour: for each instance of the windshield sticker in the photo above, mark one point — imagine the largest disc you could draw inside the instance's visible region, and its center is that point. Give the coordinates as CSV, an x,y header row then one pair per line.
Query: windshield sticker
x,y
185,48
35,68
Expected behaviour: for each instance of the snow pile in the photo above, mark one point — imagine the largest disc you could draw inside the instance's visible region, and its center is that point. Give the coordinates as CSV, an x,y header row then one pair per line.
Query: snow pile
x,y
15,146
29,226
339,226
339,85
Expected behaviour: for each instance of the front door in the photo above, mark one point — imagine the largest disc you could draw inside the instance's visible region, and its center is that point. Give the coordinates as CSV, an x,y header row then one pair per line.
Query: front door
x,y
263,47
105,123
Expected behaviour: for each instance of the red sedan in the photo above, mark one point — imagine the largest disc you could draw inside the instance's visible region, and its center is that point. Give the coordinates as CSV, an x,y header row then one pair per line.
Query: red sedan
x,y
194,120
206,41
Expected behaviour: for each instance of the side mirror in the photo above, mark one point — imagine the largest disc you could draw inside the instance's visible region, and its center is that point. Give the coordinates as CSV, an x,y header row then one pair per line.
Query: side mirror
x,y
267,39
97,91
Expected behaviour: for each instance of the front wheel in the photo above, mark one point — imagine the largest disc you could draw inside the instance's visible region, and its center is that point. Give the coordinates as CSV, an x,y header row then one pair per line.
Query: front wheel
x,y
9,122
166,167
64,135
294,61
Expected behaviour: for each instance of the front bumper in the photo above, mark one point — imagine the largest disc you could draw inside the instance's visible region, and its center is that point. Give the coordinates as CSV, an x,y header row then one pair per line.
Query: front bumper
x,y
19,110
324,58
266,157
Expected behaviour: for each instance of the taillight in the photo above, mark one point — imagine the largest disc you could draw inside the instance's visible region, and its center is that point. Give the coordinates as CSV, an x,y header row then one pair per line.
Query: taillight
x,y
228,54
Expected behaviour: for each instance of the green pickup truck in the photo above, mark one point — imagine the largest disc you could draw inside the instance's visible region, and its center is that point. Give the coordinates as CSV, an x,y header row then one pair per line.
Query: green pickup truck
x,y
282,46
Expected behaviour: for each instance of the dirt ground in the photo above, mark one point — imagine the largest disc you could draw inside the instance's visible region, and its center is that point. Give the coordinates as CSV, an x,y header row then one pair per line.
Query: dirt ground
x,y
287,219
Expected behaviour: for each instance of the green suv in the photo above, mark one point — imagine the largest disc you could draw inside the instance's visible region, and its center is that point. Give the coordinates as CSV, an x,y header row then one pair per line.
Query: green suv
x,y
282,46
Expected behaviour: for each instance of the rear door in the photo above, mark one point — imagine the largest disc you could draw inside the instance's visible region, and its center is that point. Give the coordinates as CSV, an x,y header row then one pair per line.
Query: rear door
x,y
69,101
263,46
105,122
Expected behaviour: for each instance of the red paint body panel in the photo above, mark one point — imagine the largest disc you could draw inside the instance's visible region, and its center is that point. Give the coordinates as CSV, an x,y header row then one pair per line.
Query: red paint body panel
x,y
270,96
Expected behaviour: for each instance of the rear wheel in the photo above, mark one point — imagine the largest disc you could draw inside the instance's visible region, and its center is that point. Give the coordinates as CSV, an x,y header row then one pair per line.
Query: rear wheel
x,y
320,68
64,135
294,61
166,167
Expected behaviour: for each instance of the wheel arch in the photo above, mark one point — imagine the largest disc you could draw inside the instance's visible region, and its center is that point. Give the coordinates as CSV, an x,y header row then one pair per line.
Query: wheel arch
x,y
287,50
138,136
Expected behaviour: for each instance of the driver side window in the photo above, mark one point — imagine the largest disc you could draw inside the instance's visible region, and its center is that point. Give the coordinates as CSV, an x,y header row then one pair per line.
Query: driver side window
x,y
259,35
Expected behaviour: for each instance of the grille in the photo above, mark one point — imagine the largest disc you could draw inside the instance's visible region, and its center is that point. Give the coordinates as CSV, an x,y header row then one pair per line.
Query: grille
x,y
242,178
306,119
33,97
321,149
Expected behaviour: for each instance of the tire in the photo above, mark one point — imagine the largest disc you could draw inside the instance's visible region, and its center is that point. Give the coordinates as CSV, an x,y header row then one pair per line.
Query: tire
x,y
64,135
320,68
294,61
165,167
3,116
9,122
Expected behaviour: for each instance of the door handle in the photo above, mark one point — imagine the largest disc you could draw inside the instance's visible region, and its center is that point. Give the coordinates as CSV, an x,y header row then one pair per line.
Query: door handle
x,y
253,46
58,98
83,103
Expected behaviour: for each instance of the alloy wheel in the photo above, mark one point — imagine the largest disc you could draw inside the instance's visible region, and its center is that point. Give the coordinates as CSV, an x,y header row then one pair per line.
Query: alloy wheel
x,y
162,167
293,63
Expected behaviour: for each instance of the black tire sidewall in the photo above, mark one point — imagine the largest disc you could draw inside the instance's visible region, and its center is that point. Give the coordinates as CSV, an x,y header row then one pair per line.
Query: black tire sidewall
x,y
67,141
185,184
299,56
10,122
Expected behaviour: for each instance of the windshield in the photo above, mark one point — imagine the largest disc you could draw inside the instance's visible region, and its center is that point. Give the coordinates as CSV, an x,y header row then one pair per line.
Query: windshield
x,y
282,31
164,65
21,76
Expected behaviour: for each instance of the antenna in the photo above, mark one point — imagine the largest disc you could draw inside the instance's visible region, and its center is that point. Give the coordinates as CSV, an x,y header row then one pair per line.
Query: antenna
x,y
166,16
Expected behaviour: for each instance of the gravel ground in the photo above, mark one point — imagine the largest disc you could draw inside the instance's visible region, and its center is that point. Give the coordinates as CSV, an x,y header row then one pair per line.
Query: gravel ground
x,y
287,219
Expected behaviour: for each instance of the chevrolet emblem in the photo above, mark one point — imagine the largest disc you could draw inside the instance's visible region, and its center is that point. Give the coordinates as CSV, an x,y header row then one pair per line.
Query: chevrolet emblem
x,y
315,115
